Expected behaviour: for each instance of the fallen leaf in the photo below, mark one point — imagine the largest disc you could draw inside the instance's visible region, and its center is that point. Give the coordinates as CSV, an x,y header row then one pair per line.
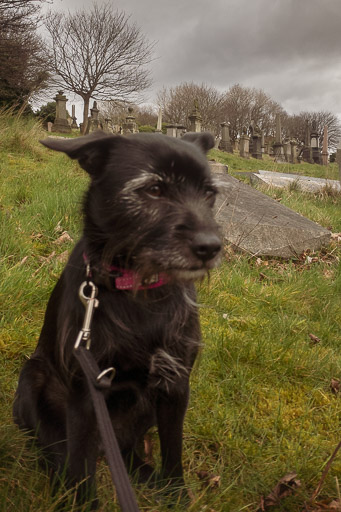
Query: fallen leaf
x,y
286,486
314,338
64,237
335,386
209,480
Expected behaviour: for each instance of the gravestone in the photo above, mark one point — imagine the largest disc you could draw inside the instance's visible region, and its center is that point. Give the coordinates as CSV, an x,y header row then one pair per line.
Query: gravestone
x,y
293,151
325,146
172,130
338,158
254,223
49,126
244,144
314,142
257,143
60,123
74,119
159,122
195,119
225,142
285,180
307,153
130,125
278,149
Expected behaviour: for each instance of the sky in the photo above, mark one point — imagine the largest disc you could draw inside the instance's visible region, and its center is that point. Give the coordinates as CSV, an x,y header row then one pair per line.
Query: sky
x,y
291,49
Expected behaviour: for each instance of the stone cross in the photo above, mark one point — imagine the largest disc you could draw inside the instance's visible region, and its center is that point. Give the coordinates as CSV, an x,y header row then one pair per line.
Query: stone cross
x,y
60,123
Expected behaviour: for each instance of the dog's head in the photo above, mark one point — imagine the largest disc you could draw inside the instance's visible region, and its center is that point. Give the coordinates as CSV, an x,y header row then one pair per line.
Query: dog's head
x,y
150,201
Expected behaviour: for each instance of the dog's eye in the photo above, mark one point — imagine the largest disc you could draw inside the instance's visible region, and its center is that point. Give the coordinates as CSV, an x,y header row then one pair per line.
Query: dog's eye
x,y
210,194
154,191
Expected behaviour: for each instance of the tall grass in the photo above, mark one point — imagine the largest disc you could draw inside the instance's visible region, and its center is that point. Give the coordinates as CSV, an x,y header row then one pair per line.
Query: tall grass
x,y
261,403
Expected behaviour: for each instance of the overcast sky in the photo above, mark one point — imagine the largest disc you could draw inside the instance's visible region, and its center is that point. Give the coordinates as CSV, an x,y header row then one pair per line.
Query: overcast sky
x,y
291,49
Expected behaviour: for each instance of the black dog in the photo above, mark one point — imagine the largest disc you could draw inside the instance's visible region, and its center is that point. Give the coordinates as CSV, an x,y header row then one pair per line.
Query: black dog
x,y
149,232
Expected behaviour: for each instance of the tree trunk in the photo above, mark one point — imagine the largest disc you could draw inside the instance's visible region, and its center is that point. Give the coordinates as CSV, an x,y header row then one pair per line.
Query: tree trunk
x,y
85,115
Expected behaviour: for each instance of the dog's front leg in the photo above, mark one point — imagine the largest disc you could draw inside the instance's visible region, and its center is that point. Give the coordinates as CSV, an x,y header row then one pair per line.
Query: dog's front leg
x,y
171,411
82,442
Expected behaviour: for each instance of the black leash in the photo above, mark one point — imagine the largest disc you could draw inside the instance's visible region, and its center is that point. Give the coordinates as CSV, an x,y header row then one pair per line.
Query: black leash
x,y
99,381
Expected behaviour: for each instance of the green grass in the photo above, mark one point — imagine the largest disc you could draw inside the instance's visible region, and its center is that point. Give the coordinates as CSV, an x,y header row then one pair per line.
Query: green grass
x,y
236,163
261,404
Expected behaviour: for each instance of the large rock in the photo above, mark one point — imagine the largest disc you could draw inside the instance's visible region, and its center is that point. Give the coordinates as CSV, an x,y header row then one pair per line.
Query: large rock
x,y
256,224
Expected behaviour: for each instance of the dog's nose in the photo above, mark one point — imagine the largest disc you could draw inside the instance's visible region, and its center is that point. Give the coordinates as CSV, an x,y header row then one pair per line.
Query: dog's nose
x,y
206,245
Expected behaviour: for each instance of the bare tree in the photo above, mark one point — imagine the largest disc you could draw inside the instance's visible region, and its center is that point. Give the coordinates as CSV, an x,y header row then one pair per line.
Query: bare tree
x,y
241,105
23,60
295,125
98,54
177,104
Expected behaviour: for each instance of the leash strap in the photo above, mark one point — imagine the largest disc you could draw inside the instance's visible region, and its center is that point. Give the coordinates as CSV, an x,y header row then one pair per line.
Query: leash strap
x,y
97,382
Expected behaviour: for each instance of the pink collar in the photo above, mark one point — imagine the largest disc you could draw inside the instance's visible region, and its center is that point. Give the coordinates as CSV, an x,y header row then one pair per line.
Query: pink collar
x,y
131,280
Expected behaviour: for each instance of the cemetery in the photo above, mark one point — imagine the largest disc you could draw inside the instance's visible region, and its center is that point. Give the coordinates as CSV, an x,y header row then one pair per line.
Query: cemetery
x,y
262,429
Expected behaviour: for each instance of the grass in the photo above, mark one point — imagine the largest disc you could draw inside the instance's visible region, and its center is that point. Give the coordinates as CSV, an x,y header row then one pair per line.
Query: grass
x,y
261,404
236,163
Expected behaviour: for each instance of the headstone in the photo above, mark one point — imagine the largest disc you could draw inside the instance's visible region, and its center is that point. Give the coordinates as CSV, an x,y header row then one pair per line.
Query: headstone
x,y
159,122
285,180
225,143
172,130
254,223
60,124
49,126
195,119
314,142
244,143
325,146
278,144
130,125
107,126
74,119
307,153
257,144
287,151
338,158
93,122
293,147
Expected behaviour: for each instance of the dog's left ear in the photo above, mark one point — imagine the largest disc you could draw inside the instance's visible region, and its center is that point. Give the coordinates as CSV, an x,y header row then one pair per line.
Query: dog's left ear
x,y
90,151
204,140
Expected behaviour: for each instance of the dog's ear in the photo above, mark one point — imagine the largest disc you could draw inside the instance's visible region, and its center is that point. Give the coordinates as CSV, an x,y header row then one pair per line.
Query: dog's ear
x,y
204,140
90,151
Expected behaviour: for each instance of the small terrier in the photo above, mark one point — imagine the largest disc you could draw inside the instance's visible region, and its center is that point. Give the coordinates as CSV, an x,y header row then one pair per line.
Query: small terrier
x,y
149,233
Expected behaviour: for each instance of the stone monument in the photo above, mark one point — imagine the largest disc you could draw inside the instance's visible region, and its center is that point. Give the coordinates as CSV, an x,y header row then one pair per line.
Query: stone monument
x,y
244,144
314,143
225,142
195,118
307,153
325,146
60,124
257,143
130,125
278,144
74,125
159,121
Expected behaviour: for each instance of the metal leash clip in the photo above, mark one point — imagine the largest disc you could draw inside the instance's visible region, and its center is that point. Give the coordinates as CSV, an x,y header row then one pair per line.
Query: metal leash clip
x,y
90,303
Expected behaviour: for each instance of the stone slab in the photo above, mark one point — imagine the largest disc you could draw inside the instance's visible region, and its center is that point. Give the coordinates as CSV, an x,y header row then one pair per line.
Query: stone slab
x,y
283,180
217,167
256,224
